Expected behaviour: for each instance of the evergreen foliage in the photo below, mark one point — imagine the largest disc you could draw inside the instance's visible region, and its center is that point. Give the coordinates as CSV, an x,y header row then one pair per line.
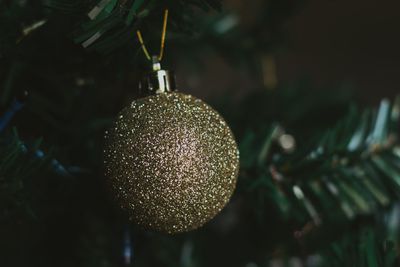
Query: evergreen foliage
x,y
331,201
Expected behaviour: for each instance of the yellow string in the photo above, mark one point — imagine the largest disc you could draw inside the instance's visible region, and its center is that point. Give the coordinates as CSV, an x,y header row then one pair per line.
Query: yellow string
x,y
164,33
162,45
139,35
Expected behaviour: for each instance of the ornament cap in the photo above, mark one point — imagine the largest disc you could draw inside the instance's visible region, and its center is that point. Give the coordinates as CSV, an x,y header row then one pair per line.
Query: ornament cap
x,y
157,81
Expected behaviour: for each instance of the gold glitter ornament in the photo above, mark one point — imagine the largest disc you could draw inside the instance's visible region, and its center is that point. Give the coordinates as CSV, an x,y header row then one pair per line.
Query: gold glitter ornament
x,y
171,159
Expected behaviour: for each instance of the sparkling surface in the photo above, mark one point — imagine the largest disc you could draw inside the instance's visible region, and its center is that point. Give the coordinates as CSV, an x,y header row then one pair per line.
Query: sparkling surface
x,y
172,162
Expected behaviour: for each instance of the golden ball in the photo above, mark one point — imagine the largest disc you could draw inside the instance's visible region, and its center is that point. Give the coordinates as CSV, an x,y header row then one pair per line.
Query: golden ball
x,y
172,162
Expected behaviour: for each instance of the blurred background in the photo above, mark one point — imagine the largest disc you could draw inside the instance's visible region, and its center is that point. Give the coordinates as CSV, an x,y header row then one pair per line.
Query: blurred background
x,y
353,43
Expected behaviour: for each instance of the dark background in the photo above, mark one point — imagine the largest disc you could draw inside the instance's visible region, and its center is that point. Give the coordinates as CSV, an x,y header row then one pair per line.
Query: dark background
x,y
351,41
343,42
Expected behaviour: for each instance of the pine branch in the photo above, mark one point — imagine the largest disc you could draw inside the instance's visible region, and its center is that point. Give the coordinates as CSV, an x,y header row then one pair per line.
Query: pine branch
x,y
350,175
19,163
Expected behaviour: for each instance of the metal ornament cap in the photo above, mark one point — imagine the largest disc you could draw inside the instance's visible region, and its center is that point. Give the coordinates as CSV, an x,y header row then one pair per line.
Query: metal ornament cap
x,y
157,81
172,162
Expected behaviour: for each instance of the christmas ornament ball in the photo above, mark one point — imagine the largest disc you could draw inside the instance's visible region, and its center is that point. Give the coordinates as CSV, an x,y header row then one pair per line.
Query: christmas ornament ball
x,y
172,162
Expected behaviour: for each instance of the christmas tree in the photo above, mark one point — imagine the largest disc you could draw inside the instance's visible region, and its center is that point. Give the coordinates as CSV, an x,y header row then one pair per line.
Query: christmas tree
x,y
319,177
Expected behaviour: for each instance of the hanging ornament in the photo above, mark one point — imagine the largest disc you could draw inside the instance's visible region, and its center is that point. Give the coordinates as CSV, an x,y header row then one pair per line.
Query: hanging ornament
x,y
171,159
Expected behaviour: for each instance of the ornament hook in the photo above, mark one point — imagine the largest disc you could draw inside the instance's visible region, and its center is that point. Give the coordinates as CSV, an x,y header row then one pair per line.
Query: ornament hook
x,y
162,45
159,80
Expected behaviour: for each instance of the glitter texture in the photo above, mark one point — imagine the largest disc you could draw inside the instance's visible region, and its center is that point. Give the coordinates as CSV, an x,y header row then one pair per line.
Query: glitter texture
x,y
172,162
